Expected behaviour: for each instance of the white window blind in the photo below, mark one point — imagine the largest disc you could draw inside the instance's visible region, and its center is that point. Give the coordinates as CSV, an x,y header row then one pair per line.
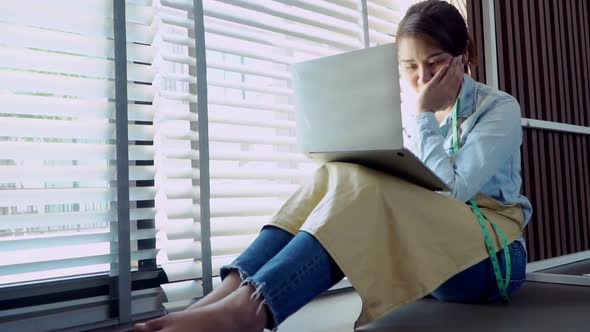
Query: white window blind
x,y
57,127
254,164
176,146
269,35
57,132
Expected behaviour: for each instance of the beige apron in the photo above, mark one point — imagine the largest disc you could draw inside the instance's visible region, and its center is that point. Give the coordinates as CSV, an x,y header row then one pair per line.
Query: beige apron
x,y
396,242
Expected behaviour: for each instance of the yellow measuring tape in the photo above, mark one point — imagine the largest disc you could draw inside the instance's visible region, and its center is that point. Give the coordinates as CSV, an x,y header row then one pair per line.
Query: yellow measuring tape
x,y
481,218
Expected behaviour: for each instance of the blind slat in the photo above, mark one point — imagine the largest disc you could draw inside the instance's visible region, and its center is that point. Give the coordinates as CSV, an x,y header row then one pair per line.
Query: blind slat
x,y
71,108
67,129
71,262
70,195
237,225
241,174
10,174
34,60
182,229
31,220
248,191
259,173
250,69
179,271
182,249
252,105
58,41
69,151
179,96
249,121
239,207
26,82
257,156
70,240
187,191
56,264
252,87
230,245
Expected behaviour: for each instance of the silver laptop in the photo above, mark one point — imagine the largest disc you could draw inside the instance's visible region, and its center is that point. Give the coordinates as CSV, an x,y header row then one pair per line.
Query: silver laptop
x,y
349,109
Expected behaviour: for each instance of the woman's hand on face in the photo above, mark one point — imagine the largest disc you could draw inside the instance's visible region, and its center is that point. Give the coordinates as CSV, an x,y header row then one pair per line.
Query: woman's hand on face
x,y
441,90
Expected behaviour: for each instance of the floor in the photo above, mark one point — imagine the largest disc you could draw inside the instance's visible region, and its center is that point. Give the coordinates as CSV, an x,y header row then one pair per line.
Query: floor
x,y
536,307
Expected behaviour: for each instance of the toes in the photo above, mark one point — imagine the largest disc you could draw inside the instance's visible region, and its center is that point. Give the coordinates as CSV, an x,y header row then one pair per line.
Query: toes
x,y
157,324
151,326
140,327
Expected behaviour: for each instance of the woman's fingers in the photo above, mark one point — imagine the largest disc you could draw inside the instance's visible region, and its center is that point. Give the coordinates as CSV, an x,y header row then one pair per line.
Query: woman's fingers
x,y
451,76
442,73
454,75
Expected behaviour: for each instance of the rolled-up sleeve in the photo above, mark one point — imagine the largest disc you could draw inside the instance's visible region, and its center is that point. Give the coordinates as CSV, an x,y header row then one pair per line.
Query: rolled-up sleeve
x,y
494,138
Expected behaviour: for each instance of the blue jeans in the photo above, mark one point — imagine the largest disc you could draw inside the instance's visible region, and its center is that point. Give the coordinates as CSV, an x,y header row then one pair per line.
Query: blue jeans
x,y
289,271
478,284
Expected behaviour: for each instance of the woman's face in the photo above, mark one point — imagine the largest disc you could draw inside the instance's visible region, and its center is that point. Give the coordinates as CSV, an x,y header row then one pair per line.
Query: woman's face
x,y
420,57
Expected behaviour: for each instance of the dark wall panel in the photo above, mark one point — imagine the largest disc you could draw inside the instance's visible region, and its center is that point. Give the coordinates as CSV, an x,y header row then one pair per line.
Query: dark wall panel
x,y
543,60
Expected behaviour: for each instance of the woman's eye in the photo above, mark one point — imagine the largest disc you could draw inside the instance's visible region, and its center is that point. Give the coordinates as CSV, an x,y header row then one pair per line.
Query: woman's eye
x,y
411,67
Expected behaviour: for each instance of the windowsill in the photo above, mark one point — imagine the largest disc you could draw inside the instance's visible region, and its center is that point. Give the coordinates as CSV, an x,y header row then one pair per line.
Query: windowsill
x,y
71,288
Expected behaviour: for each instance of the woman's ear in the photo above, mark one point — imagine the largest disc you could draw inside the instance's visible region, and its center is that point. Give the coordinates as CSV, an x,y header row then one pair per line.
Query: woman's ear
x,y
465,58
466,63
465,55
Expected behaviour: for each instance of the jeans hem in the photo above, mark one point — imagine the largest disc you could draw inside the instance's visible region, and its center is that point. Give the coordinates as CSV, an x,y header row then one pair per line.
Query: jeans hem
x,y
227,269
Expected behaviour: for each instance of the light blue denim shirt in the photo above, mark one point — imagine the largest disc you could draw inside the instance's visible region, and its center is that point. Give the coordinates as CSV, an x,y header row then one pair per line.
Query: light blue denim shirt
x,y
490,138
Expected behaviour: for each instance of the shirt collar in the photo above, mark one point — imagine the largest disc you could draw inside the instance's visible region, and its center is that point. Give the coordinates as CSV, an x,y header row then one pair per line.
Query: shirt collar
x,y
467,95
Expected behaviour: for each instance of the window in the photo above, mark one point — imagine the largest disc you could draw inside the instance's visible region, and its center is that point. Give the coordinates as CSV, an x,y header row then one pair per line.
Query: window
x,y
59,201
254,164
58,133
57,137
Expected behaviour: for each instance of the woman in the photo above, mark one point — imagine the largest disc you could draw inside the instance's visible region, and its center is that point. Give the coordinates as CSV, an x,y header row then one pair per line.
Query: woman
x,y
395,242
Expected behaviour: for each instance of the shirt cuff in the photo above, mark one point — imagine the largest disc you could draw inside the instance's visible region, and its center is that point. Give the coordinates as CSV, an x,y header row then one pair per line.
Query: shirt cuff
x,y
426,122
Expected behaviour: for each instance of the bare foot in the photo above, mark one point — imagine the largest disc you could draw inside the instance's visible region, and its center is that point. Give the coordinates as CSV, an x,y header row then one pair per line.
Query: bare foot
x,y
235,313
229,285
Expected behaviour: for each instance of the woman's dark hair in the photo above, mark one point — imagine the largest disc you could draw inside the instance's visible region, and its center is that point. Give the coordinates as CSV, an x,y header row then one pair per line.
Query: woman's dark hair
x,y
442,22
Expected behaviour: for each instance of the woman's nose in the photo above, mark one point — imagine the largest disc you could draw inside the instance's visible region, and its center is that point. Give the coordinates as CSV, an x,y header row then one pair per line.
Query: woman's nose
x,y
425,76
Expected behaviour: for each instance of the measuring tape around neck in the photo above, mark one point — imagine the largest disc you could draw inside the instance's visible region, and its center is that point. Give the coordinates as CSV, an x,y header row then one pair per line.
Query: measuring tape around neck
x,y
481,218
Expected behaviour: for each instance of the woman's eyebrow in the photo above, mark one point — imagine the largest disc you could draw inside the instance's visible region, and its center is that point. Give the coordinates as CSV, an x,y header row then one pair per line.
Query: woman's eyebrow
x,y
432,55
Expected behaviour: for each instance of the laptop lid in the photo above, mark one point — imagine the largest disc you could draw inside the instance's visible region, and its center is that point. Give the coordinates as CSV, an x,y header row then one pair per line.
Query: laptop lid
x,y
349,102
